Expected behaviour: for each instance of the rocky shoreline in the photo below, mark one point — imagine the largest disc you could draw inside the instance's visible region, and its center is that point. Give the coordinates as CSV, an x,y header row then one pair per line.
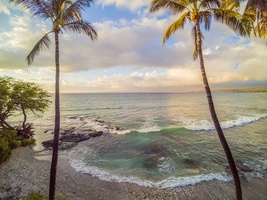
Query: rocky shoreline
x,y
28,170
25,171
71,136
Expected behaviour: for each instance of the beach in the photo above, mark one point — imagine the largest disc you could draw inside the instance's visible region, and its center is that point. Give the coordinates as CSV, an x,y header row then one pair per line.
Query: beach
x,y
153,146
23,169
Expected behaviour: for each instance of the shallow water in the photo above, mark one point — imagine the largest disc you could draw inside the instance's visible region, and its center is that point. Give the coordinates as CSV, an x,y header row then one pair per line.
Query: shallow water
x,y
168,139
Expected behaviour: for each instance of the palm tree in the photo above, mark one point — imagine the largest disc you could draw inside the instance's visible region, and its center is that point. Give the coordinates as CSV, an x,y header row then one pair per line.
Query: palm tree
x,y
64,15
256,11
202,12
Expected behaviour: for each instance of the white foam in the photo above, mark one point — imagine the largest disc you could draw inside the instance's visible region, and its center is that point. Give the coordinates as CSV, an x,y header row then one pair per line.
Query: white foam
x,y
242,120
85,122
103,175
170,182
193,124
192,180
164,165
148,127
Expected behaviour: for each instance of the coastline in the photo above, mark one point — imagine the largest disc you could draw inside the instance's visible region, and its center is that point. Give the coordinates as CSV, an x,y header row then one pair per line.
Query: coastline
x,y
23,169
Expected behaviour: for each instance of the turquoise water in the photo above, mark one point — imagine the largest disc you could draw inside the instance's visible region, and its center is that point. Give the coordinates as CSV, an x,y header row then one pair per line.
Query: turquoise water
x,y
167,140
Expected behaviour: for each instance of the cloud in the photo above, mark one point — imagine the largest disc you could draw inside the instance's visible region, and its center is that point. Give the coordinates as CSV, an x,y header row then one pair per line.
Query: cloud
x,y
4,8
136,43
133,45
152,81
17,42
129,4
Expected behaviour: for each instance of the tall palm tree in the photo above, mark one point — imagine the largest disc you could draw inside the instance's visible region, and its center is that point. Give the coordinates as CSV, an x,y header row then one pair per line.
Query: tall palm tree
x,y
256,11
64,15
201,12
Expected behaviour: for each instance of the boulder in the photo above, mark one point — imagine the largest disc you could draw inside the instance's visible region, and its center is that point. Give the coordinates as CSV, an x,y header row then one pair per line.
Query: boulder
x,y
242,167
67,145
70,139
11,193
190,163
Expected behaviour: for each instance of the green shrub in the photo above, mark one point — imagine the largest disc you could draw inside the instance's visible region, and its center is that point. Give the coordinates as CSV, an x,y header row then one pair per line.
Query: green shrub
x,y
27,142
8,142
35,196
5,151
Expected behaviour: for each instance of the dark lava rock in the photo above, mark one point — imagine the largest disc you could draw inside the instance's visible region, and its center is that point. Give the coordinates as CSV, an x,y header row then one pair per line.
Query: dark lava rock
x,y
72,137
242,167
10,193
151,161
67,145
158,149
48,144
190,163
69,139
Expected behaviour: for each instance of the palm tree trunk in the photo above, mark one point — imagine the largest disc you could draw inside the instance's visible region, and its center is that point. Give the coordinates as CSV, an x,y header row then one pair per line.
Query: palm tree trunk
x,y
215,118
53,169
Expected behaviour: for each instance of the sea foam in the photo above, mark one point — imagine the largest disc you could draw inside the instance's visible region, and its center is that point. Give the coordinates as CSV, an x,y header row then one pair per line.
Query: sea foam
x,y
193,124
170,182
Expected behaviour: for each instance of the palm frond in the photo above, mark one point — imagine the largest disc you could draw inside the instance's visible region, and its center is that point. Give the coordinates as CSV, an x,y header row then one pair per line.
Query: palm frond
x,y
171,6
82,27
260,29
175,26
228,14
209,4
206,17
256,12
79,5
23,3
40,8
42,44
74,11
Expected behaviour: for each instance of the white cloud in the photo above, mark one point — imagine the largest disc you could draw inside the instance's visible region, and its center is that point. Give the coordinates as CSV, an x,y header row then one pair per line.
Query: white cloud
x,y
135,45
129,4
4,8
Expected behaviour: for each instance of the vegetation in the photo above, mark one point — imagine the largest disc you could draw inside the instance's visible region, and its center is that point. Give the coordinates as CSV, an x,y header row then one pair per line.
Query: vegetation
x,y
33,195
64,15
8,141
256,12
201,12
20,98
27,142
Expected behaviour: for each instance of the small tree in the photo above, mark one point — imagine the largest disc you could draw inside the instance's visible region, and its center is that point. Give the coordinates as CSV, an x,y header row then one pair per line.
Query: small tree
x,y
20,97
7,107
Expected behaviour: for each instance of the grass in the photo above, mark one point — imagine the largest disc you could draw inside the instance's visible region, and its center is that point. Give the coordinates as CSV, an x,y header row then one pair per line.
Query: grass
x,y
33,195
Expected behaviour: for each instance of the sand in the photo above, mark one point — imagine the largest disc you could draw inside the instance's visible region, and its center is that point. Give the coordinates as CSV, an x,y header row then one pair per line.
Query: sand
x,y
23,169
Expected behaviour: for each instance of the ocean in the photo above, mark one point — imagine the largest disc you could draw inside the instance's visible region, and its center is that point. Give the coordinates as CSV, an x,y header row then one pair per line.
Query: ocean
x,y
163,140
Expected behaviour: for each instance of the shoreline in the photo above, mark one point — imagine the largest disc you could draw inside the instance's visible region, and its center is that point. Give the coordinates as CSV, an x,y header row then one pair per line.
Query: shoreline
x,y
23,169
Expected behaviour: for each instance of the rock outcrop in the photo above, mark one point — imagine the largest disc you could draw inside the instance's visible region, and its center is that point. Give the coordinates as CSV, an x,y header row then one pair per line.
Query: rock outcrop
x,y
68,139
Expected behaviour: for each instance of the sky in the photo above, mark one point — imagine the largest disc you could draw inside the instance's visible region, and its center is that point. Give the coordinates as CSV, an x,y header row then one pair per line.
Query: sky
x,y
128,55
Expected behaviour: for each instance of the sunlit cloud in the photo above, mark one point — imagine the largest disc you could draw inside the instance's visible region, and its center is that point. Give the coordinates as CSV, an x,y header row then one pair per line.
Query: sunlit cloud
x,y
128,55
129,4
4,9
